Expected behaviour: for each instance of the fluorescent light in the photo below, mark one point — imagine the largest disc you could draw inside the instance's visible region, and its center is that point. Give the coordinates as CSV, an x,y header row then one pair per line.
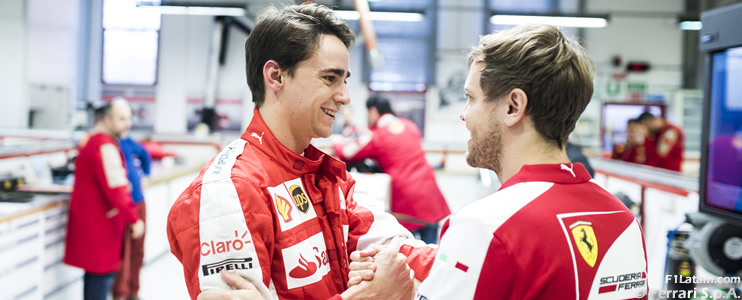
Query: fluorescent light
x,y
585,22
196,10
690,25
381,16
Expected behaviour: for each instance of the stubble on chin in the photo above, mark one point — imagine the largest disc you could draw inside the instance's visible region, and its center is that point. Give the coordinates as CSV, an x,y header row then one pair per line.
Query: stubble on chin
x,y
485,152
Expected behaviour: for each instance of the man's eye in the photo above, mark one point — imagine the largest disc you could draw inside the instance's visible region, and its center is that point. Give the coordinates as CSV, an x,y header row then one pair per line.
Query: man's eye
x,y
329,78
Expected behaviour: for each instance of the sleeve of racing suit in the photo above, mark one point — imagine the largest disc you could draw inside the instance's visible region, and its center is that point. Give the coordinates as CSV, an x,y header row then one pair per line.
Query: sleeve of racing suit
x,y
222,224
111,173
360,149
460,274
368,227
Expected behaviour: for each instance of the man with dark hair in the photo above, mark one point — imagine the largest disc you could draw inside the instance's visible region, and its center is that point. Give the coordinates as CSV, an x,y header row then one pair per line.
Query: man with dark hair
x,y
271,210
396,144
100,204
665,143
634,149
549,232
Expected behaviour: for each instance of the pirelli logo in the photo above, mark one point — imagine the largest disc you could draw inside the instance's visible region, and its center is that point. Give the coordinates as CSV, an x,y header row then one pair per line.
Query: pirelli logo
x,y
228,264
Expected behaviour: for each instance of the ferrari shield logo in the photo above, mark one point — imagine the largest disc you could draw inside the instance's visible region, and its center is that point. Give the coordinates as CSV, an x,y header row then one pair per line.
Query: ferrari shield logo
x,y
587,244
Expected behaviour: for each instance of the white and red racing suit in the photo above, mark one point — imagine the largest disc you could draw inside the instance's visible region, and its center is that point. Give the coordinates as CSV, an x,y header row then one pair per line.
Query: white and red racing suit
x,y
550,232
284,221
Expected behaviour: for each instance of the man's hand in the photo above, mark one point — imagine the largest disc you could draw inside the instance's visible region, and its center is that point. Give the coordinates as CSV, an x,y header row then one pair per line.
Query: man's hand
x,y
243,289
144,183
362,266
137,229
393,279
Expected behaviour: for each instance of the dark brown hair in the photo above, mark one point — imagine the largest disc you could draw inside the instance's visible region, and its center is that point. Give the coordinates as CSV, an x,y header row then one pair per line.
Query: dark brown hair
x,y
288,37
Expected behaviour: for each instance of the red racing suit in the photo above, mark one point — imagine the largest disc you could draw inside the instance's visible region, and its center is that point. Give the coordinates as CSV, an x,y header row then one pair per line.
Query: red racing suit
x,y
395,143
284,221
550,232
666,149
100,207
630,153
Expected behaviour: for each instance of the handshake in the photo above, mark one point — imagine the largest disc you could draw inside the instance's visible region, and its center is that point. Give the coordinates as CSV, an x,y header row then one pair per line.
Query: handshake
x,y
377,272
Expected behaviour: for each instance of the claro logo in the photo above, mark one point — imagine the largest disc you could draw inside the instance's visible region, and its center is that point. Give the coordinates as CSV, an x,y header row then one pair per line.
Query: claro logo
x,y
215,247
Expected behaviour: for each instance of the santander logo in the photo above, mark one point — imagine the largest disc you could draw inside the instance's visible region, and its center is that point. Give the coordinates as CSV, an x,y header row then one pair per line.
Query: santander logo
x,y
306,262
307,268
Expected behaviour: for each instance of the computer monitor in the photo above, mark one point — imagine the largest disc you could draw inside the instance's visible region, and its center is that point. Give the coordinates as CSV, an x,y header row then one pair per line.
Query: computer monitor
x,y
615,118
721,160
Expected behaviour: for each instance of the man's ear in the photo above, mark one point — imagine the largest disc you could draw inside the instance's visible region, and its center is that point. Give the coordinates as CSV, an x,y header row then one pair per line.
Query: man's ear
x,y
273,76
517,101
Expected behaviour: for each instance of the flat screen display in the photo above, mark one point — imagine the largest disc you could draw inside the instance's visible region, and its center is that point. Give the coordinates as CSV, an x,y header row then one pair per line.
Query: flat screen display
x,y
723,178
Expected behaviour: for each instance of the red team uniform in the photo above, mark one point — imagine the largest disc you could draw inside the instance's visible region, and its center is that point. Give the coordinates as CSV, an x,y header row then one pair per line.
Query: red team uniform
x,y
100,207
395,143
634,153
665,150
284,221
550,232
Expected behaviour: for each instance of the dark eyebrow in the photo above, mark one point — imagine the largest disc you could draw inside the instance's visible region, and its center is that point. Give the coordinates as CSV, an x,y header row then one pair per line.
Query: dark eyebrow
x,y
339,72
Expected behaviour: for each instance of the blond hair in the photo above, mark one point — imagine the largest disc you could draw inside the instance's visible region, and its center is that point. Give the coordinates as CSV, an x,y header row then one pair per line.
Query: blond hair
x,y
553,70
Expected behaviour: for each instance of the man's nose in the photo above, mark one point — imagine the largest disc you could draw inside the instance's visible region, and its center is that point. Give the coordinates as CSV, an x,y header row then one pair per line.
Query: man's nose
x,y
343,96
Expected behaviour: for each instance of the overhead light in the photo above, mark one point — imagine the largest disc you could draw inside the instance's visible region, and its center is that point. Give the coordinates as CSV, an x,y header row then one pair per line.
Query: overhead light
x,y
196,10
690,25
350,15
562,21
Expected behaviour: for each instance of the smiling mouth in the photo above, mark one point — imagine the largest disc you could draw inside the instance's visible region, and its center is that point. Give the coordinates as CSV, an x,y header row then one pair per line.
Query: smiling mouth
x,y
328,112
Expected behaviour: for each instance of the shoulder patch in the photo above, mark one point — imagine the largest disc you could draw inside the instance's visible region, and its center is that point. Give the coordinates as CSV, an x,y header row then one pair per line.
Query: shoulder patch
x,y
113,166
667,142
396,127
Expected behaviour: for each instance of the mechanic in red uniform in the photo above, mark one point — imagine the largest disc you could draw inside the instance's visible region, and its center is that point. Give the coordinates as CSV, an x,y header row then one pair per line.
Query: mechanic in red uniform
x,y
395,143
100,204
271,209
634,149
665,143
550,232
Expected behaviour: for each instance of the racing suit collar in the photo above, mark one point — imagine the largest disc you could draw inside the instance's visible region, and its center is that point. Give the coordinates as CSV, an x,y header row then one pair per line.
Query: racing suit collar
x,y
566,173
259,135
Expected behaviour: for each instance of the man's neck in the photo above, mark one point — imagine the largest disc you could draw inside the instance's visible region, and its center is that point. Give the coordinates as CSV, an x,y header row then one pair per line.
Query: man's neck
x,y
103,129
278,124
531,149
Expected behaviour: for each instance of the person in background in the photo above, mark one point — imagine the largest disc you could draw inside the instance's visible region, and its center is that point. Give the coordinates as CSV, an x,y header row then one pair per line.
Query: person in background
x,y
634,149
126,284
349,129
100,204
575,155
272,210
665,143
396,144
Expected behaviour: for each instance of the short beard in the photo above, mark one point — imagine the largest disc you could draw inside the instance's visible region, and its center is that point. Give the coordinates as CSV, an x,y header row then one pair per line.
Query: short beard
x,y
487,153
